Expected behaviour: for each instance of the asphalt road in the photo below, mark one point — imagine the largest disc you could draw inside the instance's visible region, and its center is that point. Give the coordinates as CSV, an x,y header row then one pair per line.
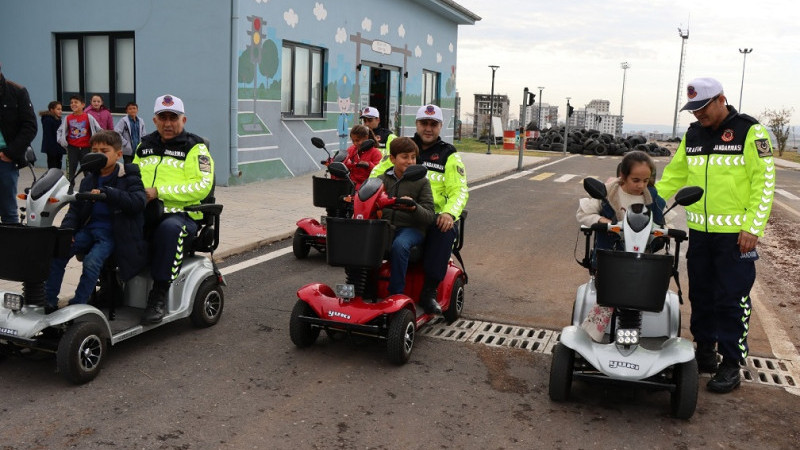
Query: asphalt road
x,y
242,384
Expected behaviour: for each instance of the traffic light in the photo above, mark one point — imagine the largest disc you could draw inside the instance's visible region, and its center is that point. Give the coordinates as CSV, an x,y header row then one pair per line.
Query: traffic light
x,y
256,38
569,110
531,99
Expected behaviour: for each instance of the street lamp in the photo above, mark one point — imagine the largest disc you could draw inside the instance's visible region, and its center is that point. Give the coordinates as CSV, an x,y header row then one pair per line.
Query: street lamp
x,y
539,119
625,66
491,113
743,51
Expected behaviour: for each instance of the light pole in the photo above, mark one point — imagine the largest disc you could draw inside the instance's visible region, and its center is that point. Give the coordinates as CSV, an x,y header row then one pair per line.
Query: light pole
x,y
684,37
743,51
539,118
491,113
625,66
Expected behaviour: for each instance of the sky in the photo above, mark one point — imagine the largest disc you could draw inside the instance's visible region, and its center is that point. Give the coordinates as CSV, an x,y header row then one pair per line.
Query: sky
x,y
575,49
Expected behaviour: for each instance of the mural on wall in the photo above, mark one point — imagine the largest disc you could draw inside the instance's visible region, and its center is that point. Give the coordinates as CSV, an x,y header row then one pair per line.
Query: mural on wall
x,y
377,58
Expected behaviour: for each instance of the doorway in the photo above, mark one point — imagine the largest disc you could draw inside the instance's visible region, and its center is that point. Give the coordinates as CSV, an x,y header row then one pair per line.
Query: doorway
x,y
379,93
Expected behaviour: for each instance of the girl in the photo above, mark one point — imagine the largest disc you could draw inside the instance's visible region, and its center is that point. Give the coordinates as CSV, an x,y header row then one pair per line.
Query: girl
x,y
51,120
100,113
633,186
360,163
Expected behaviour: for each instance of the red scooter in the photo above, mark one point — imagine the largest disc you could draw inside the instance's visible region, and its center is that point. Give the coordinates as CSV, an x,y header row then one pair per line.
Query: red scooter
x,y
327,193
362,305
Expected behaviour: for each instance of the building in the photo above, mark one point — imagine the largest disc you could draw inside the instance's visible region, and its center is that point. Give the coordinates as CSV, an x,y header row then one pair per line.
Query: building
x,y
544,111
259,78
480,126
596,116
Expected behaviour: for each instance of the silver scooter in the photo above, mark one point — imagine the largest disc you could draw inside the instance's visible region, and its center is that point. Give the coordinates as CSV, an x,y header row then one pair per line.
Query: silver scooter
x,y
641,343
79,335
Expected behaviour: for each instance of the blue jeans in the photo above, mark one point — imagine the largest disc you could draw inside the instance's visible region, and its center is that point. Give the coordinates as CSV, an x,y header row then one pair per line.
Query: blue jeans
x,y
9,176
96,244
404,239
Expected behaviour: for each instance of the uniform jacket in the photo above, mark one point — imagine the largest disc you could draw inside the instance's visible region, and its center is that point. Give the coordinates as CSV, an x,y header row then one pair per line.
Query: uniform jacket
x,y
123,128
102,116
735,167
17,120
420,191
445,172
50,124
181,169
126,200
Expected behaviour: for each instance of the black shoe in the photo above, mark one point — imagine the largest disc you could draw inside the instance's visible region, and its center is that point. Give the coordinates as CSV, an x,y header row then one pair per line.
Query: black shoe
x,y
155,310
726,379
427,299
706,357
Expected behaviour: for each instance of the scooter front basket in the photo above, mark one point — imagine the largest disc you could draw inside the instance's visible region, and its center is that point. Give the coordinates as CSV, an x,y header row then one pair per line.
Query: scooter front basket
x,y
632,280
356,242
28,251
328,192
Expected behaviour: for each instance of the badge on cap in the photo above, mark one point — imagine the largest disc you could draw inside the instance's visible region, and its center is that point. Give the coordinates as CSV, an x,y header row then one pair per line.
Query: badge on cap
x,y
167,101
690,92
430,110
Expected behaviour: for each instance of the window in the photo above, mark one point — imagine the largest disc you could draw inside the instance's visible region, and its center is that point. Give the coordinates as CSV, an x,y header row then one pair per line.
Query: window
x,y
430,87
96,63
301,80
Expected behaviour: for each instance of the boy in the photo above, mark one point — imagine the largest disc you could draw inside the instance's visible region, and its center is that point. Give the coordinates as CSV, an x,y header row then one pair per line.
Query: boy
x,y
103,227
410,221
74,133
131,130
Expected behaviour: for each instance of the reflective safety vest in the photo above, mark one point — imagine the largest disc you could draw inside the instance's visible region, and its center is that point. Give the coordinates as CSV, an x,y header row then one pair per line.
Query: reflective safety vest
x,y
734,165
181,169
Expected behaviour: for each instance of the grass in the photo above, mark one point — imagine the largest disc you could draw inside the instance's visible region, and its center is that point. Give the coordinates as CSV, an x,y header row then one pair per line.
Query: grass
x,y
788,155
471,145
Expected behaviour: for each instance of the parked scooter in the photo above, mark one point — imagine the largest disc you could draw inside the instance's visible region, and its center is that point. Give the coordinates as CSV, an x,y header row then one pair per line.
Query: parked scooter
x,y
362,305
329,193
79,335
642,343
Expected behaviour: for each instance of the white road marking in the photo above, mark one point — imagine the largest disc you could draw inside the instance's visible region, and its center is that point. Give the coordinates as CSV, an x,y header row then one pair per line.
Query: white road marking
x,y
787,194
257,260
564,178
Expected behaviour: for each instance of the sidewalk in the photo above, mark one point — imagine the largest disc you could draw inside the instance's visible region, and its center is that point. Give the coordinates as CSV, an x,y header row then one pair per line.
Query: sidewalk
x,y
260,213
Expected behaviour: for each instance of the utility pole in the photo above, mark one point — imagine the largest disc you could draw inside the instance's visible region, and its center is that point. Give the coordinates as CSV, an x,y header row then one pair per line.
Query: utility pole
x,y
743,51
566,128
539,118
684,37
625,66
491,113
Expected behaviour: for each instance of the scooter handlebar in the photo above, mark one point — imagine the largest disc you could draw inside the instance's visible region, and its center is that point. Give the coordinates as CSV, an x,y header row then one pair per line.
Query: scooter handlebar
x,y
90,197
678,235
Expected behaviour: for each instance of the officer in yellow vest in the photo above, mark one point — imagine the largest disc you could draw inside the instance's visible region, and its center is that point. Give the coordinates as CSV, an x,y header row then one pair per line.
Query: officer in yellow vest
x,y
178,171
729,155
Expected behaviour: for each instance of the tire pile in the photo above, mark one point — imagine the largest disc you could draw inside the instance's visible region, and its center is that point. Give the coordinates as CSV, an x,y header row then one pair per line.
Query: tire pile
x,y
593,142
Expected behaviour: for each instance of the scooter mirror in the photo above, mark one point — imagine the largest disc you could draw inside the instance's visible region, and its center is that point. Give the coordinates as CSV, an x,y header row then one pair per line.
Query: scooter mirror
x,y
415,172
689,195
339,170
317,142
92,162
340,156
30,155
366,145
595,188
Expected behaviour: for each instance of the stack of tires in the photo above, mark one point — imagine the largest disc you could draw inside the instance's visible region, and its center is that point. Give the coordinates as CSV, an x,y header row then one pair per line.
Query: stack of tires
x,y
593,142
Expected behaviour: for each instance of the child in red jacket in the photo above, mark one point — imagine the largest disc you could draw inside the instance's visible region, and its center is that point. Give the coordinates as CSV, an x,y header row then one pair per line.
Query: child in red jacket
x,y
360,163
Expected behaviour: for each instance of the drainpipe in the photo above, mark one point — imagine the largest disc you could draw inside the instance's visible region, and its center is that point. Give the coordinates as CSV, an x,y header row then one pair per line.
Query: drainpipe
x,y
234,94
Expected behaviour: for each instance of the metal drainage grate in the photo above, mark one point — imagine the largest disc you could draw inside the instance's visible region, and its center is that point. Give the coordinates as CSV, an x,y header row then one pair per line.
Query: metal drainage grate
x,y
768,371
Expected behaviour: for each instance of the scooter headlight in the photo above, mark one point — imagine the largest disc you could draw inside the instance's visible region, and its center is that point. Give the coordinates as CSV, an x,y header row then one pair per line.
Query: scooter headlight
x,y
345,291
13,302
627,337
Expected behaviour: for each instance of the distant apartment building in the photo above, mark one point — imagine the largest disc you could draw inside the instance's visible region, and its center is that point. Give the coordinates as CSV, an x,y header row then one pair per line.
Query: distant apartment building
x,y
480,125
536,113
596,116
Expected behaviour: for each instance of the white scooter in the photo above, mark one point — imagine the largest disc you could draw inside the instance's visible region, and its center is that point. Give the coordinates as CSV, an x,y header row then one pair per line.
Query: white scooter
x,y
79,335
642,343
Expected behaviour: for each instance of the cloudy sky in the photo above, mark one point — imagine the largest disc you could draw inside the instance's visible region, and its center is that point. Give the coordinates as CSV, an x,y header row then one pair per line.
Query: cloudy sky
x,y
575,48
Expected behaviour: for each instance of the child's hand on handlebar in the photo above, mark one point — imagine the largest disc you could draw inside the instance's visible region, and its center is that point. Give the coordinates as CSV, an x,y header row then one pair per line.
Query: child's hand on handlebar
x,y
444,222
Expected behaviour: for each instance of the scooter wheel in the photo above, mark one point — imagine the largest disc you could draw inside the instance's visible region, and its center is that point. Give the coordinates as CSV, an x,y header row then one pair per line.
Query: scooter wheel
x,y
208,303
561,372
300,245
683,399
400,342
302,333
453,312
81,351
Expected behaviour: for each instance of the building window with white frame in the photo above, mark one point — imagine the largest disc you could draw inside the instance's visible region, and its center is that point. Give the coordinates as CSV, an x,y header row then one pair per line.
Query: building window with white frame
x,y
96,63
302,80
430,87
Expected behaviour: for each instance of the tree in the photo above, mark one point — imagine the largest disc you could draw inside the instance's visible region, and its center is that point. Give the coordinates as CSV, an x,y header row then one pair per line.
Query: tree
x,y
778,123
